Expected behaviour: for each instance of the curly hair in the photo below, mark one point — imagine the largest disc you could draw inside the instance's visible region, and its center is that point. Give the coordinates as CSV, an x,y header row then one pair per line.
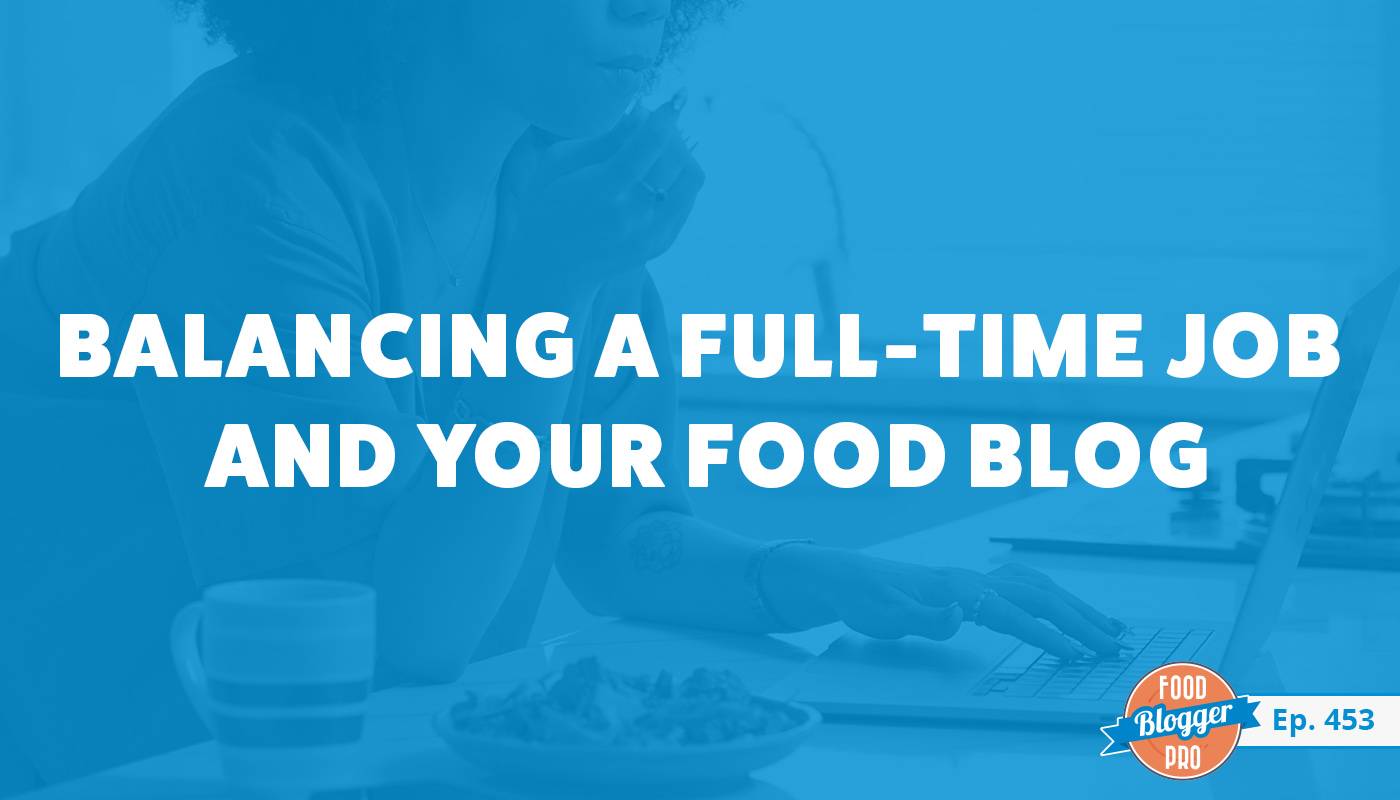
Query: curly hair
x,y
351,28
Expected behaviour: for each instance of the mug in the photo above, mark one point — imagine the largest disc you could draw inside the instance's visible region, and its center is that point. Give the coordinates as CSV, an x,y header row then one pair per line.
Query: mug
x,y
280,671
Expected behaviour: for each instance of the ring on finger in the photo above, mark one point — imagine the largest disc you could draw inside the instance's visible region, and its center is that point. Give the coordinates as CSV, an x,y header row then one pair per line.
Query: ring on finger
x,y
658,195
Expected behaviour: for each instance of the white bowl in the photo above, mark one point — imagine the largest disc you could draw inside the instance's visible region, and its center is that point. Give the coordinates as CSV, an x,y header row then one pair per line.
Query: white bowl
x,y
597,764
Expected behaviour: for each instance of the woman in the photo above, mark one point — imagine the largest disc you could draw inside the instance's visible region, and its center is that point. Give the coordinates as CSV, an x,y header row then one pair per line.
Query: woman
x,y
369,157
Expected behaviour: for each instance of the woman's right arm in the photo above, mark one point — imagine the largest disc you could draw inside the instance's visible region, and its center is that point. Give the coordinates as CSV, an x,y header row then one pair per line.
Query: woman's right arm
x,y
447,557
574,222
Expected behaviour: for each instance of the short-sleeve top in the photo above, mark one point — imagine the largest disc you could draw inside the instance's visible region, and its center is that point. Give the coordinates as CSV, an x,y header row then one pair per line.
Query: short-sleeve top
x,y
251,193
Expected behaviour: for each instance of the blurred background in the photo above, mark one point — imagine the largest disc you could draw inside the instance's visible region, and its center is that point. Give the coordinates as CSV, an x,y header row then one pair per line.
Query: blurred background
x,y
1217,136
911,156
61,120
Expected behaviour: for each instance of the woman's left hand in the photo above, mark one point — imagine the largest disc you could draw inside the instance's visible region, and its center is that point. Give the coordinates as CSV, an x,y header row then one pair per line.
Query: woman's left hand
x,y
809,585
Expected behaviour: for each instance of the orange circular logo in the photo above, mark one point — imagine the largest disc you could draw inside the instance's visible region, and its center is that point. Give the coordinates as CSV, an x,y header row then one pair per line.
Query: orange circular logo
x,y
1181,721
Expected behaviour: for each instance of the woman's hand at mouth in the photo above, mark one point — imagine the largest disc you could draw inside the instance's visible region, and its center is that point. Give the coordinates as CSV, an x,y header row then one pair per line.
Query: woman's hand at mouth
x,y
808,585
595,208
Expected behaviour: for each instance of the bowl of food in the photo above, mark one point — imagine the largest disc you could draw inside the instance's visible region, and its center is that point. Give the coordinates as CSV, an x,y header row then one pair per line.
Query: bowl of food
x,y
587,724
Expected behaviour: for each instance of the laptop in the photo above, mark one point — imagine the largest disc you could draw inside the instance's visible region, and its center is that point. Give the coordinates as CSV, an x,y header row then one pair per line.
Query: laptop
x,y
982,676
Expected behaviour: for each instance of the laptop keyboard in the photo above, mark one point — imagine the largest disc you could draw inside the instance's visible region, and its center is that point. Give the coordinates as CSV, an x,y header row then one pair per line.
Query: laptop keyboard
x,y
1029,671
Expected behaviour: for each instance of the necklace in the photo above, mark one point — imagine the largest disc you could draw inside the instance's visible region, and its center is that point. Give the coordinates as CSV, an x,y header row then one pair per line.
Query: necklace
x,y
446,266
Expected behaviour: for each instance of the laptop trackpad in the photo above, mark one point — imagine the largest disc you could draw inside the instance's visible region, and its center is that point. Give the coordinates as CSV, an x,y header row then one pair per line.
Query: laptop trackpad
x,y
857,669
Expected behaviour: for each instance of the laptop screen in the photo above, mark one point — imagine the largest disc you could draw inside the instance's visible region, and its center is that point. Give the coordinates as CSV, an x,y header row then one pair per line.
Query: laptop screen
x,y
1307,480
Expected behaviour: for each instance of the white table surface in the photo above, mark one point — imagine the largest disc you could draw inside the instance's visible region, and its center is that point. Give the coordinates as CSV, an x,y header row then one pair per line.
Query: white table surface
x,y
1327,611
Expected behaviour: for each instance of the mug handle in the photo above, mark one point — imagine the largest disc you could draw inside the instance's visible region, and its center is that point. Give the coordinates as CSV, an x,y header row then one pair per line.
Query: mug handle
x,y
184,649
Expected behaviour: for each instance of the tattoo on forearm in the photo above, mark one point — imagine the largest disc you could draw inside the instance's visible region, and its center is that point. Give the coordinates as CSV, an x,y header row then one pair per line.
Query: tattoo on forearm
x,y
657,544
